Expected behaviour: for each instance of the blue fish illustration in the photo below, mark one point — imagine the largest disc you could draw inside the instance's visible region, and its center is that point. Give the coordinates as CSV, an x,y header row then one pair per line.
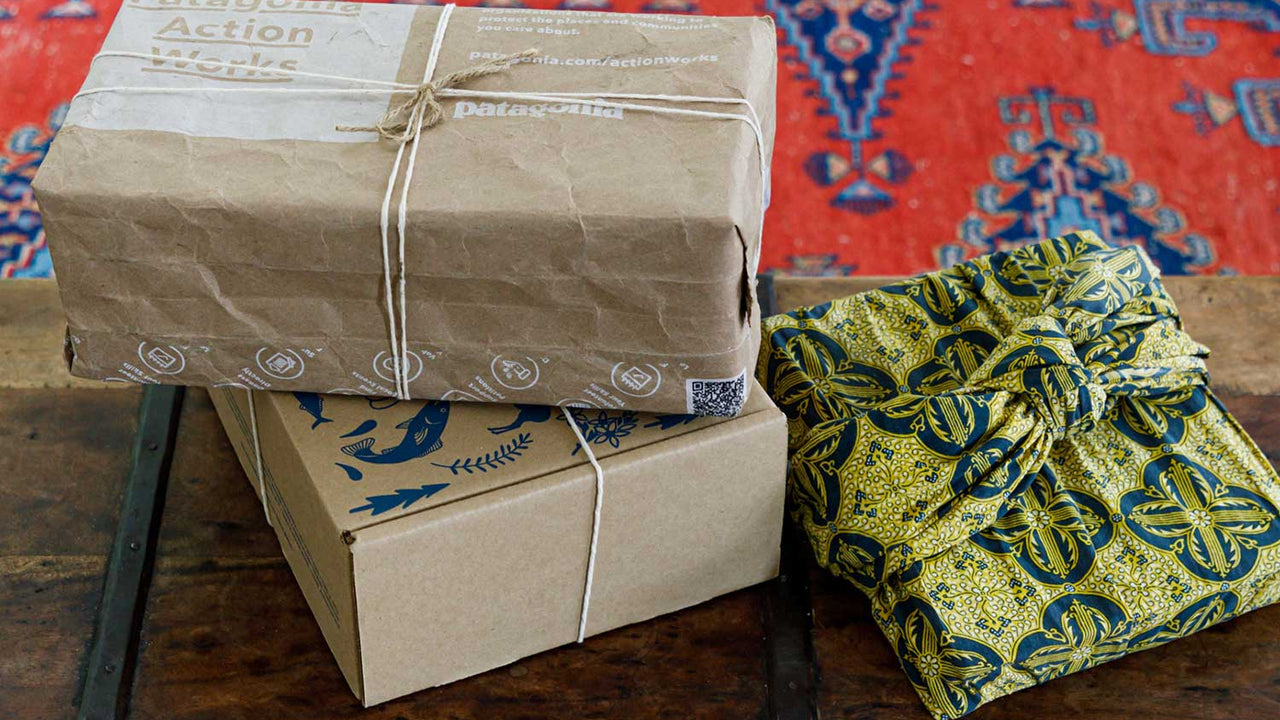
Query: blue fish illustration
x,y
353,474
421,437
364,427
524,414
313,404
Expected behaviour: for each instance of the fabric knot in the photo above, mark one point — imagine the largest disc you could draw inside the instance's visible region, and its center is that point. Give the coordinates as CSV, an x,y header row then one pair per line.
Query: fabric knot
x,y
401,122
1038,362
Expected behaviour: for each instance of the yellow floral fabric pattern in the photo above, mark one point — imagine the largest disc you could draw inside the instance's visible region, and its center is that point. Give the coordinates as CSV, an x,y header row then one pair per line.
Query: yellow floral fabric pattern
x,y
1019,461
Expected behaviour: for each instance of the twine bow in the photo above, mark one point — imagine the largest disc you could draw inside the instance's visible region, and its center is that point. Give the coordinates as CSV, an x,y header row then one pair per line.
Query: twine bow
x,y
398,124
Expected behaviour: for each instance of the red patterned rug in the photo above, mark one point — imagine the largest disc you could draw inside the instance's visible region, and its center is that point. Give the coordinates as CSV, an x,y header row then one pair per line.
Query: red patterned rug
x,y
911,133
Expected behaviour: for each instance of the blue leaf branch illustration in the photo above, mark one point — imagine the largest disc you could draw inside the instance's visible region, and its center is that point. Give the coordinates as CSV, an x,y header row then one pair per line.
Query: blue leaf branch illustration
x,y
401,498
603,427
507,452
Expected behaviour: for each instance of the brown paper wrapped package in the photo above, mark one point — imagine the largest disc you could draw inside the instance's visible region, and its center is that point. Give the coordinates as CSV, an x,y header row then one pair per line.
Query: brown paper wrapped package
x,y
555,252
472,551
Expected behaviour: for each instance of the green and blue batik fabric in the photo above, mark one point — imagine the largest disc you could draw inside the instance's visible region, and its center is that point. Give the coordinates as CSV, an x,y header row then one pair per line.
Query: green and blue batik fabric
x,y
1018,460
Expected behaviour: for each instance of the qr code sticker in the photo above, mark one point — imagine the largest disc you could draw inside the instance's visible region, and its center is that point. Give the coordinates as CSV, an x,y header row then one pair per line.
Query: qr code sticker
x,y
717,397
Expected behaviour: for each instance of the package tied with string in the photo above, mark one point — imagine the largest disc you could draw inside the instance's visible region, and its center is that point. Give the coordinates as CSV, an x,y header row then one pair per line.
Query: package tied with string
x,y
437,540
479,204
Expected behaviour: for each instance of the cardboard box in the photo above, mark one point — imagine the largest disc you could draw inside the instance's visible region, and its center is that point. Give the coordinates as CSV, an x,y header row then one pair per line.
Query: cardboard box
x,y
555,252
434,541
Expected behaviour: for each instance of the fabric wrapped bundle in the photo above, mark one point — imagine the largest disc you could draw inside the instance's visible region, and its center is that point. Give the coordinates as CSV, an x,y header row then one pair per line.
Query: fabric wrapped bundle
x,y
1018,460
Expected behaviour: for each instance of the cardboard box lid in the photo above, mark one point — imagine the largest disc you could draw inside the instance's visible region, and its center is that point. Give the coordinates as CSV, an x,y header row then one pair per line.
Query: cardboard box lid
x,y
378,459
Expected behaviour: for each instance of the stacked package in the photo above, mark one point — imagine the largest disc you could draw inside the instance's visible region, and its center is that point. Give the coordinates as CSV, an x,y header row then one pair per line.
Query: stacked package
x,y
481,516
224,212
553,217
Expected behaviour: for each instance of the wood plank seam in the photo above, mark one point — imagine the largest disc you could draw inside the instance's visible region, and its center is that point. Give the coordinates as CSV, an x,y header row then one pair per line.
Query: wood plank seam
x,y
790,672
119,622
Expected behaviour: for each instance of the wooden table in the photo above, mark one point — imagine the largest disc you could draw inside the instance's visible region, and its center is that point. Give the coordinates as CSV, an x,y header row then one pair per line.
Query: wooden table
x,y
222,631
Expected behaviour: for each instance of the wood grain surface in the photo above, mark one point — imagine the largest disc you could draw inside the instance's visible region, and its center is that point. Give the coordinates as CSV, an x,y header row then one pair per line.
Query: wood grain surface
x,y
65,456
32,328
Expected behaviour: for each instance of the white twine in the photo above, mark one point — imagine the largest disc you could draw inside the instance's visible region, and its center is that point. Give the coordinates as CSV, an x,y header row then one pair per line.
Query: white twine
x,y
396,320
257,457
402,363
595,521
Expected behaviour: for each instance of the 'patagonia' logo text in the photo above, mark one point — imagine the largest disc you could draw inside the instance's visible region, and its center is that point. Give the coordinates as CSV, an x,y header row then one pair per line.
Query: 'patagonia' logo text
x,y
468,108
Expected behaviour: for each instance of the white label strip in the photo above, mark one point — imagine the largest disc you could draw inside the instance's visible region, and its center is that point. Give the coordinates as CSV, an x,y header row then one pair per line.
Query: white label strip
x,y
331,38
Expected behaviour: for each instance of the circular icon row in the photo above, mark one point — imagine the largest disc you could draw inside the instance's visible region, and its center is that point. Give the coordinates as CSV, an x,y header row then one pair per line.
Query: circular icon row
x,y
514,373
283,364
637,380
162,359
384,365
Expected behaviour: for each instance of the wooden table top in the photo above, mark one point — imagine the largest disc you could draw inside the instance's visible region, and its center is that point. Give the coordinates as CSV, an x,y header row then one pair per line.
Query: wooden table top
x,y
223,630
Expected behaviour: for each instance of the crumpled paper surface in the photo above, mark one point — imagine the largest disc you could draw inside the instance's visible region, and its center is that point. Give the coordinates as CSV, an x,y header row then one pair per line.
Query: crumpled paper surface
x,y
553,254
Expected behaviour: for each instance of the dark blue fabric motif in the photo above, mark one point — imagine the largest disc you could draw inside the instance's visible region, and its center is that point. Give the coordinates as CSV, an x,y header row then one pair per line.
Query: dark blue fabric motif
x,y
1053,533
1039,362
1077,631
1213,528
943,296
858,558
1206,612
946,424
1117,348
988,470
814,379
1157,420
946,669
955,358
1101,282
818,493
1027,272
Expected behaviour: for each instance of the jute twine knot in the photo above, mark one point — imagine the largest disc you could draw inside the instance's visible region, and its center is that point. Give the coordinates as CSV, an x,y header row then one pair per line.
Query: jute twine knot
x,y
398,124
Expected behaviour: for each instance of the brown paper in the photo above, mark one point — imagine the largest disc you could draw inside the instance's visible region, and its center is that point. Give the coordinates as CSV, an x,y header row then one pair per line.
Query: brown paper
x,y
477,539
553,254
